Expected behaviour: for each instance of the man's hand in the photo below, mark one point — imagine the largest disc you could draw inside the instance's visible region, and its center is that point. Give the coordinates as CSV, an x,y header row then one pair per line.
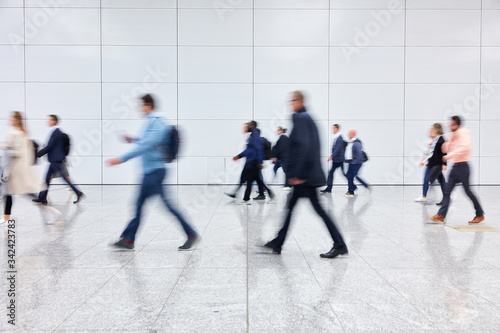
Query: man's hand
x,y
444,167
128,139
236,158
445,158
422,163
114,161
330,158
274,160
260,166
296,181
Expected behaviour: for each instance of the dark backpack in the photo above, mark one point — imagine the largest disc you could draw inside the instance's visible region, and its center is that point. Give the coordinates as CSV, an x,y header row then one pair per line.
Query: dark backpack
x,y
268,152
363,154
170,144
67,144
35,148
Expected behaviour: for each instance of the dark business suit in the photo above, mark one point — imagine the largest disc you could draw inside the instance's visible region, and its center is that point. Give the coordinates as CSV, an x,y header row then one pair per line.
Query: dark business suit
x,y
338,151
56,156
254,154
280,151
304,163
355,165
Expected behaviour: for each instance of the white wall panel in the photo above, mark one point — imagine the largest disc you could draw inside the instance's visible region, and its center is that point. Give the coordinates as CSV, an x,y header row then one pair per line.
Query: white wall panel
x,y
487,173
11,98
287,65
366,101
367,65
11,26
224,7
490,58
292,4
291,27
442,65
215,101
215,64
443,4
490,137
491,26
139,63
363,28
70,100
204,27
12,64
443,28
48,5
63,64
72,26
368,4
490,105
138,3
139,27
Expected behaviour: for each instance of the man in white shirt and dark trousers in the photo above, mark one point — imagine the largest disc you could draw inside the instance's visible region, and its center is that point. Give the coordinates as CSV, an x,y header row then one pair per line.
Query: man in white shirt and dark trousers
x,y
337,157
355,157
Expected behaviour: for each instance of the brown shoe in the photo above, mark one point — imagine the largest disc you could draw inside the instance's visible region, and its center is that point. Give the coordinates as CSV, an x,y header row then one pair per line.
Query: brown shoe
x,y
437,219
477,219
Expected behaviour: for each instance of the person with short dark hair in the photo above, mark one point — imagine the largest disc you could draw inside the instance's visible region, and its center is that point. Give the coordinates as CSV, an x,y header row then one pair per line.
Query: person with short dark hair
x,y
305,175
459,150
56,153
337,157
280,152
433,160
154,173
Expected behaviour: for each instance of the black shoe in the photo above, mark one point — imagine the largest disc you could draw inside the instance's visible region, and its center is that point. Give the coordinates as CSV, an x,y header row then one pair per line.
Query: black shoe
x,y
79,198
38,200
260,197
191,241
123,246
230,195
333,253
276,249
439,203
326,191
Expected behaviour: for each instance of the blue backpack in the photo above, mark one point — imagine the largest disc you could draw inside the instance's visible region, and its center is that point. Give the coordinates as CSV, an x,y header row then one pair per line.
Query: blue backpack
x,y
169,144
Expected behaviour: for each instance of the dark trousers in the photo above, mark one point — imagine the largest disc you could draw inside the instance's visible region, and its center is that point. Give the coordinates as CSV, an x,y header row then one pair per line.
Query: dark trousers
x,y
329,181
303,191
280,164
243,180
253,174
459,174
352,173
8,204
54,168
152,184
431,174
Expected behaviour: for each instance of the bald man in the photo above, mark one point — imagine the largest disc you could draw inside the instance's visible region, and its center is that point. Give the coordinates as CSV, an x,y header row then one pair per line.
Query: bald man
x,y
355,157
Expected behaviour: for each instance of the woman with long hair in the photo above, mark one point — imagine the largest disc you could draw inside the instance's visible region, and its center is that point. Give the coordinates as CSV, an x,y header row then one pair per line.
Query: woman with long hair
x,y
20,155
433,160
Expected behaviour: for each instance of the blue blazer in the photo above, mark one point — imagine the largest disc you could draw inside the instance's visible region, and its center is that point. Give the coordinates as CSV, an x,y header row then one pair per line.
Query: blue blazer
x,y
357,152
338,150
55,147
255,148
304,160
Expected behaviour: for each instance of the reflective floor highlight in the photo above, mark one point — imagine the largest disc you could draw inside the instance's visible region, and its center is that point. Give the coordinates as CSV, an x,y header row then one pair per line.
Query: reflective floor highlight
x,y
402,273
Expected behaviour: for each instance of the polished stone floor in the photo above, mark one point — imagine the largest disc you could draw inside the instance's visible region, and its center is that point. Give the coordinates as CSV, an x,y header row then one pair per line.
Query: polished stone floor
x,y
402,273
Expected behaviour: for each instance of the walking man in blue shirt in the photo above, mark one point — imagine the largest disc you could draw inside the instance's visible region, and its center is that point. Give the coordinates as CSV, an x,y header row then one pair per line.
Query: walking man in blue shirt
x,y
154,173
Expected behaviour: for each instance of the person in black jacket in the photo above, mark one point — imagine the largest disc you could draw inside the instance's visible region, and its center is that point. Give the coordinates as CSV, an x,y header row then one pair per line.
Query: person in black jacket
x,y
55,151
305,174
279,152
433,158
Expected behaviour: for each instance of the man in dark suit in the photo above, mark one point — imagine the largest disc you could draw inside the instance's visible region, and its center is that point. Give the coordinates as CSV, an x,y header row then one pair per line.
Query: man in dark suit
x,y
279,152
337,157
254,154
55,151
354,156
305,175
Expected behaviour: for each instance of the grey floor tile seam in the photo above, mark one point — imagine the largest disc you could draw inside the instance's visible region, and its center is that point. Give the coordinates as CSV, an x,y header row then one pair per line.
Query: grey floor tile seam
x,y
183,269
110,278
319,284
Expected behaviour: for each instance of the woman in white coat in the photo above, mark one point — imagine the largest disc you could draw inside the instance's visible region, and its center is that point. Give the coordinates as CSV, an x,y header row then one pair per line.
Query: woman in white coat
x,y
20,156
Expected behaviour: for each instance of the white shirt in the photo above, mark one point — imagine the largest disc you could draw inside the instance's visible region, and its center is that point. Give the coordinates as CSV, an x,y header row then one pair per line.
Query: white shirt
x,y
348,149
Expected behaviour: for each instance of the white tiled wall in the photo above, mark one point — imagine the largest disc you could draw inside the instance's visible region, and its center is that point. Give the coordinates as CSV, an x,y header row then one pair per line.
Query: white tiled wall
x,y
389,68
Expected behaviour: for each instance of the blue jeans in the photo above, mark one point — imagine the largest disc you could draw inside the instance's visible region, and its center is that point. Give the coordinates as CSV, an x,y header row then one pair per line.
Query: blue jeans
x,y
152,184
352,173
329,182
426,182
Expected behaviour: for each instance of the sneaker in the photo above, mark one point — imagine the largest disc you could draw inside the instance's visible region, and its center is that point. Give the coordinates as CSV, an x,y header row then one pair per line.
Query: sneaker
x,y
231,195
348,195
287,188
421,199
188,245
440,203
124,245
477,219
326,191
437,219
244,202
260,197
